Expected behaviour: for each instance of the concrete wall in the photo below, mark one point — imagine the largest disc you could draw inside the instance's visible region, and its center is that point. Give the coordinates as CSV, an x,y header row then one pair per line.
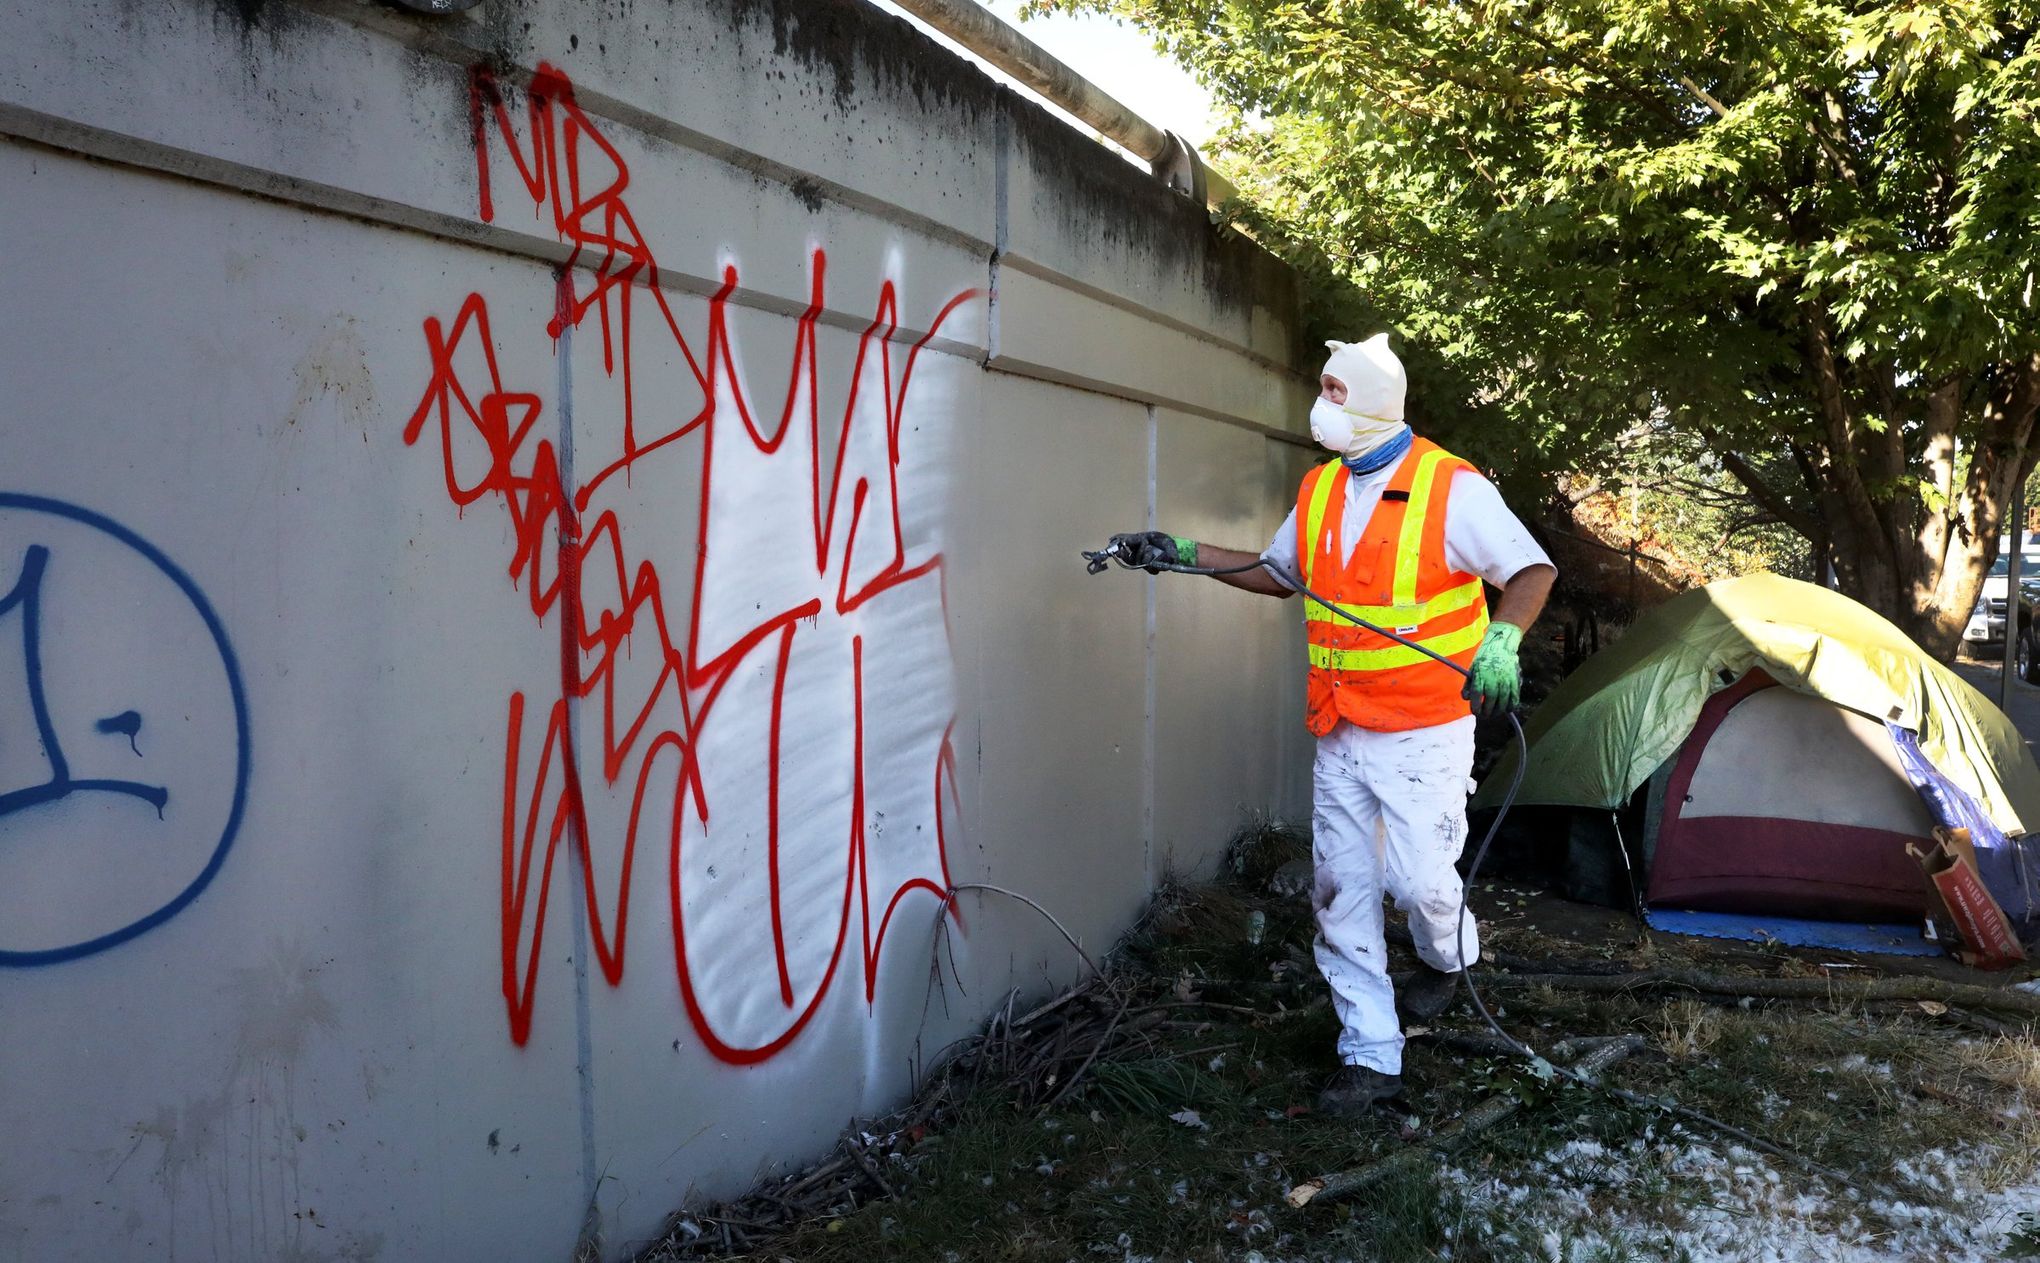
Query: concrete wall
x,y
532,546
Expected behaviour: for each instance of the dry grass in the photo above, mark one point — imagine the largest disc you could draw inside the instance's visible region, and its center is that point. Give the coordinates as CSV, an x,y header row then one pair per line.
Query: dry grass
x,y
1688,1028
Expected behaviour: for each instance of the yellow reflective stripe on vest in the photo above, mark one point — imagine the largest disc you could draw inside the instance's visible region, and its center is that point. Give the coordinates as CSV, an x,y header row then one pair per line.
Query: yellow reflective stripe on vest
x,y
1393,656
1396,617
1314,520
1409,549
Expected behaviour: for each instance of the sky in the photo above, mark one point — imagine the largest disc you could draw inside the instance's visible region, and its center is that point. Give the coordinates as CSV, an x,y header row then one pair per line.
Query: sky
x,y
1112,55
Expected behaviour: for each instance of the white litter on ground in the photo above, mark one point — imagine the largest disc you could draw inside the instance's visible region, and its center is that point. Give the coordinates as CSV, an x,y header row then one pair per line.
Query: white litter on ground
x,y
1687,1202
1863,1065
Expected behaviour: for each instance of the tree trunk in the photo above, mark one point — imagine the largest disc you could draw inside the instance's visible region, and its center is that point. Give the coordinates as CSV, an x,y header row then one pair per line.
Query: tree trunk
x,y
1937,625
1918,555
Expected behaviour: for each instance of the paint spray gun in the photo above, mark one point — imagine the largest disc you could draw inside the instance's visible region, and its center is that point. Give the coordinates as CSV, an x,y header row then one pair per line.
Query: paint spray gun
x,y
1096,562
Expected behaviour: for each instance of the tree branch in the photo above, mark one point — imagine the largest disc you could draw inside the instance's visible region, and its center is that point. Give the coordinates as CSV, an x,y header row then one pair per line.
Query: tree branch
x,y
1748,523
1762,492
2002,454
1706,97
1826,105
1845,477
1606,74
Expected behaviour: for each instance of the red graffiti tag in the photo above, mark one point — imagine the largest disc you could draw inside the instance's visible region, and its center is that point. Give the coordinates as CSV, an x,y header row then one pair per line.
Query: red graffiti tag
x,y
817,610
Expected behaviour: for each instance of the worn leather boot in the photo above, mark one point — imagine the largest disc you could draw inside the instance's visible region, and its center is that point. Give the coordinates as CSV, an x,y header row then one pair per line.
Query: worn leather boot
x,y
1355,1089
1428,993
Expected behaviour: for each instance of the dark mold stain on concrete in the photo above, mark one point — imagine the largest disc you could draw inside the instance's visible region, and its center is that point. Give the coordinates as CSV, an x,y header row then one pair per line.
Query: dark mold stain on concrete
x,y
247,12
244,18
1104,200
505,36
838,36
808,192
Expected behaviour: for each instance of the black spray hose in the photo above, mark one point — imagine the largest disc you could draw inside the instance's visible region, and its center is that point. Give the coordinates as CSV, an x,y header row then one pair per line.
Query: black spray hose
x,y
1543,1065
1098,561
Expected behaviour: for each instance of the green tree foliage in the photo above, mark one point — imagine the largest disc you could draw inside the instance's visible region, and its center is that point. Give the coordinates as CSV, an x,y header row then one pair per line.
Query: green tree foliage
x,y
1802,234
1672,498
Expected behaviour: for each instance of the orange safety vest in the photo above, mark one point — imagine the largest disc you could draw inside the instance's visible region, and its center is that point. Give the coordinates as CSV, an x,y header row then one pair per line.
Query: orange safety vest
x,y
1397,578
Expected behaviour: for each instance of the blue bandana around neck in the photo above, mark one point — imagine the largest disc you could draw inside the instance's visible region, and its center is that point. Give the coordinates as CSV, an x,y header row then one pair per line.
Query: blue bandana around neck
x,y
1384,456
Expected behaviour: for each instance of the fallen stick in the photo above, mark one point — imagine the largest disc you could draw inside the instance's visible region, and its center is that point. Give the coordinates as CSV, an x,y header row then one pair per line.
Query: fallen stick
x,y
1478,1119
1006,1043
1957,1018
789,1209
1967,995
1052,1005
1984,1025
1221,1008
1070,1085
1528,964
864,1160
815,1176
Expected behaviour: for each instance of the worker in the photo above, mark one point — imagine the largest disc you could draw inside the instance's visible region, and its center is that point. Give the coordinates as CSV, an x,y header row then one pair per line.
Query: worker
x,y
1403,534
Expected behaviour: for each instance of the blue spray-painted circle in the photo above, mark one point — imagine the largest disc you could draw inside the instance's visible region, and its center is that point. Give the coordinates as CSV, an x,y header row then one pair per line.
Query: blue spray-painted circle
x,y
155,556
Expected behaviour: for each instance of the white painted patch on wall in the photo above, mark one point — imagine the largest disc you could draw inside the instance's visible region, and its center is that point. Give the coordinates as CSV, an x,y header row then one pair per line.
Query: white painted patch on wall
x,y
776,708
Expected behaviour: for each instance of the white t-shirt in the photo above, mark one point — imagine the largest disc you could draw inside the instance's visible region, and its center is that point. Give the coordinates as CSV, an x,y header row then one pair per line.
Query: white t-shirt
x,y
1481,536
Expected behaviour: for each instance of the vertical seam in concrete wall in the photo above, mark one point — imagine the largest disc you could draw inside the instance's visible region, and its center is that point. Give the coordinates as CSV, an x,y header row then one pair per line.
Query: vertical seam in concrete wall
x,y
569,545
1000,219
1150,762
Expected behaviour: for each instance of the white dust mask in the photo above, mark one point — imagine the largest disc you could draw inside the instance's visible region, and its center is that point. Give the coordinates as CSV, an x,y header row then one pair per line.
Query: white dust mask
x,y
1349,434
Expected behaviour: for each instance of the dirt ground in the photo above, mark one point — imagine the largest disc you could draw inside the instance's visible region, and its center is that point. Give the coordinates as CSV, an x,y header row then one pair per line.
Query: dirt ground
x,y
1164,1111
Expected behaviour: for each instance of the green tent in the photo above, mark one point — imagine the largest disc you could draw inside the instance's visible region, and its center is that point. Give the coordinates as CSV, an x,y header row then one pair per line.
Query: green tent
x,y
1789,744
1628,709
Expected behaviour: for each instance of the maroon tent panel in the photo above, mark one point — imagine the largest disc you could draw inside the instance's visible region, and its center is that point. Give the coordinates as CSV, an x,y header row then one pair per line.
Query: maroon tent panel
x,y
1789,806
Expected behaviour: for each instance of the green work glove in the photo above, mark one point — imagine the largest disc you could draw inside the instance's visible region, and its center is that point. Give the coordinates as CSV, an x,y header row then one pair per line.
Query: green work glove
x,y
1495,684
1152,548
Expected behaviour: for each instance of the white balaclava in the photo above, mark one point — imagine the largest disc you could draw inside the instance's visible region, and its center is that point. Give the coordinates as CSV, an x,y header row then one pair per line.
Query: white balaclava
x,y
1373,411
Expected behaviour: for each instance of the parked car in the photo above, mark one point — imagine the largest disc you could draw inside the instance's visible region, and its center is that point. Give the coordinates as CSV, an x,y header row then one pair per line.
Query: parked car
x,y
1984,637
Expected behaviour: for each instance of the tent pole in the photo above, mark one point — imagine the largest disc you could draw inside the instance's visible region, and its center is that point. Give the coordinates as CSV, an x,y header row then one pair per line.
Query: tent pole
x,y
2016,528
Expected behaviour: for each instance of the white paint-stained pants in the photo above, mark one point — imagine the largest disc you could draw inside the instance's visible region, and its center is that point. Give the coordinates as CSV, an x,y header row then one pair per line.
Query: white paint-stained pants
x,y
1412,786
